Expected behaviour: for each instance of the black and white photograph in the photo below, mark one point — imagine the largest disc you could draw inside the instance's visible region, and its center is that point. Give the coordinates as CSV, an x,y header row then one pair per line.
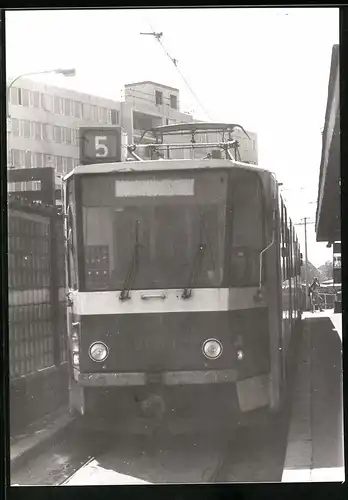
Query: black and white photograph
x,y
203,344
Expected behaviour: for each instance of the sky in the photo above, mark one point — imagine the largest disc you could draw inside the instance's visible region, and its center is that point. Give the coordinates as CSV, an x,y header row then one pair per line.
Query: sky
x,y
267,69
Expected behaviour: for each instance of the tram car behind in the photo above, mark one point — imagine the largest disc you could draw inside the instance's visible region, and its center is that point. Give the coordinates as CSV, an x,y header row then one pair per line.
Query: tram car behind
x,y
184,290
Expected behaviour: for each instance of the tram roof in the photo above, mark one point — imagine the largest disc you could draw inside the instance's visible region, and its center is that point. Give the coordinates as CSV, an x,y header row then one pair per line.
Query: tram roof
x,y
160,166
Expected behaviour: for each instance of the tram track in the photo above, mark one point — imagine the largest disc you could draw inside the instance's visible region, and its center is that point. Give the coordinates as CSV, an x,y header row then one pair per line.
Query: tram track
x,y
84,457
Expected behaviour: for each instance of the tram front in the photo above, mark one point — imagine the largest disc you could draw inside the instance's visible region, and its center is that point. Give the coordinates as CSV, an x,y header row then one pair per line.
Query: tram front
x,y
163,271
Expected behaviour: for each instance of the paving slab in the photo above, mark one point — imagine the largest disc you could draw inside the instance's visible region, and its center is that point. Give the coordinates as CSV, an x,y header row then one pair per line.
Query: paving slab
x,y
39,435
315,439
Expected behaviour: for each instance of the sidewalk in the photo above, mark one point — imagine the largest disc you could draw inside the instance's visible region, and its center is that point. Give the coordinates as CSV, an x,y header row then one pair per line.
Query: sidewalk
x,y
315,441
39,435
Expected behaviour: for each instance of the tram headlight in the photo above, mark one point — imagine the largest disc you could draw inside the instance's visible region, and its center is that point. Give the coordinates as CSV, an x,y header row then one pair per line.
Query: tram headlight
x,y
98,351
212,348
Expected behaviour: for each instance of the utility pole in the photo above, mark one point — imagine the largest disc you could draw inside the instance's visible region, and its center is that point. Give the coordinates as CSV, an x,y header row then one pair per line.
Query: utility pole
x,y
306,259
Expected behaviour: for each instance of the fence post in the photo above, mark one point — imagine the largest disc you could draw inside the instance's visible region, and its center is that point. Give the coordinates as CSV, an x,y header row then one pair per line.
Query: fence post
x,y
54,289
54,270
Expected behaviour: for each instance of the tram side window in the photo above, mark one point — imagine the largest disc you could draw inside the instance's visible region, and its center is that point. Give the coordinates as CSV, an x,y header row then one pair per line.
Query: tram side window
x,y
293,255
291,252
288,253
248,227
286,245
283,241
71,238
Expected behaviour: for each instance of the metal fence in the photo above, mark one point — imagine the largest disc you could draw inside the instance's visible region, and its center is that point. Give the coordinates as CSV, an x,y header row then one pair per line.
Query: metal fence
x,y
36,275
328,300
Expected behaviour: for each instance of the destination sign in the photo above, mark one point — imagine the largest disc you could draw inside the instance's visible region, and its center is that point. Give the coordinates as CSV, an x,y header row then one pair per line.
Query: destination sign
x,y
162,187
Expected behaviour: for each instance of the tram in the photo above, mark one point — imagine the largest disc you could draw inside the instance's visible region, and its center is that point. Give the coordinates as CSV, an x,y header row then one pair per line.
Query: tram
x,y
183,285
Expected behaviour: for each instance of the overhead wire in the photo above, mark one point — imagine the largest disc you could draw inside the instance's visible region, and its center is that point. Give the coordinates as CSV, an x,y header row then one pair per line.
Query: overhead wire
x,y
158,37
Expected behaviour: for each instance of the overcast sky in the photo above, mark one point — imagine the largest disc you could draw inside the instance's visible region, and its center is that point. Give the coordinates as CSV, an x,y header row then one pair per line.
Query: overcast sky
x,y
266,69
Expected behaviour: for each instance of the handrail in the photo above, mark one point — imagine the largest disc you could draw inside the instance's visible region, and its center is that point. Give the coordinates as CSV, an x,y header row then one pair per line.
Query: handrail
x,y
265,249
184,145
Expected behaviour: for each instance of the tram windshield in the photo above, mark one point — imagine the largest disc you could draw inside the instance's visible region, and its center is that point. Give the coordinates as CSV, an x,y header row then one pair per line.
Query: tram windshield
x,y
167,219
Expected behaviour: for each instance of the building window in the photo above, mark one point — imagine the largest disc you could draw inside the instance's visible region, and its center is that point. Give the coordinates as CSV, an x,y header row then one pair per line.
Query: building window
x,y
86,111
94,112
14,95
173,101
74,136
23,97
65,165
103,115
47,132
46,102
27,159
77,109
57,134
15,127
47,160
50,161
37,160
66,135
159,98
57,104
114,116
26,129
67,107
34,99
15,158
70,164
36,131
60,164
254,145
63,131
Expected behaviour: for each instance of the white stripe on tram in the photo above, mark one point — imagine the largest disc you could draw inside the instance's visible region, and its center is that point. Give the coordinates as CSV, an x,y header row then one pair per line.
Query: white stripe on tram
x,y
165,301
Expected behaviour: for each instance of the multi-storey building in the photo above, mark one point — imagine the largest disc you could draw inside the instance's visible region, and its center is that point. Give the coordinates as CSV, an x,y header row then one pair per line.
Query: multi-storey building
x,y
149,104
44,121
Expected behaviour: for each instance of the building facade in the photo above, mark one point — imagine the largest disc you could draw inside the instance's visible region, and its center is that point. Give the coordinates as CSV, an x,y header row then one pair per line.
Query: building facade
x,y
149,104
44,121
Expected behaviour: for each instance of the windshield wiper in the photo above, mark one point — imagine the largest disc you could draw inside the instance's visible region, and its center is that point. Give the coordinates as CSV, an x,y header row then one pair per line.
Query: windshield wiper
x,y
196,267
133,267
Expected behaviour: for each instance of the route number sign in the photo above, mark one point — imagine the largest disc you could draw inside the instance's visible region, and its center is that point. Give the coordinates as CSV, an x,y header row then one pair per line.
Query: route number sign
x,y
100,145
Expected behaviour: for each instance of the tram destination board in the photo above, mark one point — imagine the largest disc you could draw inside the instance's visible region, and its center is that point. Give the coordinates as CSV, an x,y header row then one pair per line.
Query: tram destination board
x,y
100,145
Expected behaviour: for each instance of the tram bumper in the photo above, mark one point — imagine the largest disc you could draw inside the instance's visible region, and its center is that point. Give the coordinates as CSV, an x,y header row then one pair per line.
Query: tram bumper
x,y
180,401
166,378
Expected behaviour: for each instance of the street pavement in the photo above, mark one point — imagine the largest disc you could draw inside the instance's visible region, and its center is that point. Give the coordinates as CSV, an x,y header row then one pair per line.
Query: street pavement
x,y
315,442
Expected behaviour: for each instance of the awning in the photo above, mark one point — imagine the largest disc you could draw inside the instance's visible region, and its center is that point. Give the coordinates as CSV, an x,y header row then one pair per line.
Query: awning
x,y
328,223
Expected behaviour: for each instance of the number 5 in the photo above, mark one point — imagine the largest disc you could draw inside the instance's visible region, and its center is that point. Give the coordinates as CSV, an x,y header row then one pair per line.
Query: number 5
x,y
99,145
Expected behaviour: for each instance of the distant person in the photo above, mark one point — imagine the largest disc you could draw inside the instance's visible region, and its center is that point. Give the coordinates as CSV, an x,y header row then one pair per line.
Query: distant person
x,y
315,298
